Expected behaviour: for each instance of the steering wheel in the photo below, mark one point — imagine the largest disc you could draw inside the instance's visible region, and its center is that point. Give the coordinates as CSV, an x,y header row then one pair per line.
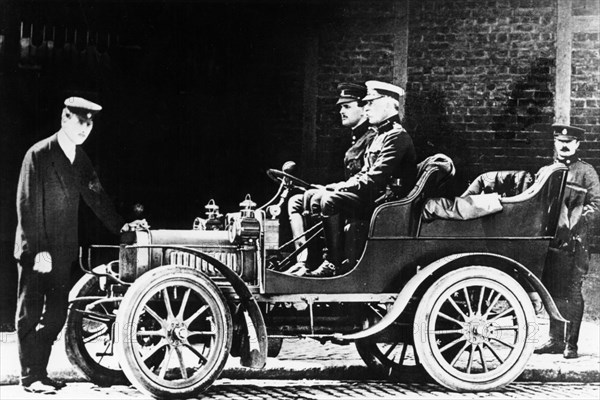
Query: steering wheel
x,y
279,176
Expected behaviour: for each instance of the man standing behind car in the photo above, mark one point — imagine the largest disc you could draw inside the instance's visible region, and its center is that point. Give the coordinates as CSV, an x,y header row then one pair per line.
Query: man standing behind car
x,y
568,258
54,174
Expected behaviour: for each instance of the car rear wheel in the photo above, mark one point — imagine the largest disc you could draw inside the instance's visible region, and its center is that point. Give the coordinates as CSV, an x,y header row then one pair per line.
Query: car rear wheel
x,y
391,353
88,335
472,329
175,329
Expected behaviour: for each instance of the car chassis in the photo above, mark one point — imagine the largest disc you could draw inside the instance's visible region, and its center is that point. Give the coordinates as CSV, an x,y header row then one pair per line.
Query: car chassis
x,y
450,297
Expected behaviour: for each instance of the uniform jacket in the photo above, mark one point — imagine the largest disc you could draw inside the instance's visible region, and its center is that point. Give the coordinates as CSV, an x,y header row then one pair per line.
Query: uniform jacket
x,y
582,192
353,159
48,201
390,159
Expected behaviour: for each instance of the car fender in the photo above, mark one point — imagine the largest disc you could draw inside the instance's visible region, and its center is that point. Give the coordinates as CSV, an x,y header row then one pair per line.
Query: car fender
x,y
255,354
445,265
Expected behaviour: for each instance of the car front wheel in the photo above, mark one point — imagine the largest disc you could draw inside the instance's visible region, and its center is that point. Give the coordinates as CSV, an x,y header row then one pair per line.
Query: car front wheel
x,y
175,329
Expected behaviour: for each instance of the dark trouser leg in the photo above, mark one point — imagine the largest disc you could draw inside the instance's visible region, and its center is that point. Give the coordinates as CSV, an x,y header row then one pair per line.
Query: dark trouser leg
x,y
571,307
297,223
334,228
572,310
334,207
41,313
30,304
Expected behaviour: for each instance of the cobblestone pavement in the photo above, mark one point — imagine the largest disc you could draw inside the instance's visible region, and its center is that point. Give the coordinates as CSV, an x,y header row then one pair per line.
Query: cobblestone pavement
x,y
323,390
308,359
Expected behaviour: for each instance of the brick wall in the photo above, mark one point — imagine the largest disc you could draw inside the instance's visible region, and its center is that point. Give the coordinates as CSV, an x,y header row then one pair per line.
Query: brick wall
x,y
480,81
585,84
585,78
354,46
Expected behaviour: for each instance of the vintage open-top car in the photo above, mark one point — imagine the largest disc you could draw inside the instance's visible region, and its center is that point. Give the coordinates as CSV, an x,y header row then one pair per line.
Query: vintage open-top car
x,y
450,295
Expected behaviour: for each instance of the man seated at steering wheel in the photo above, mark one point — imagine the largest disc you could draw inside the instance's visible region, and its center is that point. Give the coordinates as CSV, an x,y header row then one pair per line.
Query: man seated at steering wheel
x,y
353,117
389,160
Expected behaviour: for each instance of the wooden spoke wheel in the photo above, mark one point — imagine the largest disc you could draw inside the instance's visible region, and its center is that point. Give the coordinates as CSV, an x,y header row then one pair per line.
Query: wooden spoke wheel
x,y
175,329
391,353
472,329
89,336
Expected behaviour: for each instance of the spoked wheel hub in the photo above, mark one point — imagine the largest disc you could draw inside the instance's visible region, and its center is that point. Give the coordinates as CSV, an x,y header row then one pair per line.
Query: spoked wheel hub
x,y
473,329
177,329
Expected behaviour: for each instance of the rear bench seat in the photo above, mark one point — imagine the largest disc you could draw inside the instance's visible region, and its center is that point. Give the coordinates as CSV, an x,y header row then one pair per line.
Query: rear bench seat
x,y
531,213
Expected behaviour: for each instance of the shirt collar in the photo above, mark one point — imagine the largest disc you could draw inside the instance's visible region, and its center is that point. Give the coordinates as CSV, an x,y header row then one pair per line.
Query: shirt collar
x,y
67,146
388,124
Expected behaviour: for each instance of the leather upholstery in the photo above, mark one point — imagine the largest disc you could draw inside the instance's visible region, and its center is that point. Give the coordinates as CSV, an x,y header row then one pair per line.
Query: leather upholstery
x,y
532,213
400,218
462,208
505,183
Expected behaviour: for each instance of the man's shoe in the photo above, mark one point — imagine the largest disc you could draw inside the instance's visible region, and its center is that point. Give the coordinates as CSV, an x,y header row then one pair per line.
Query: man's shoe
x,y
550,347
301,272
324,270
570,352
56,384
299,267
39,387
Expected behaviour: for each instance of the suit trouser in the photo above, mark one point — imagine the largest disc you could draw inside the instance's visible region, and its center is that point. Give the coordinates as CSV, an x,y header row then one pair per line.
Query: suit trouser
x,y
335,206
571,308
563,277
298,223
42,304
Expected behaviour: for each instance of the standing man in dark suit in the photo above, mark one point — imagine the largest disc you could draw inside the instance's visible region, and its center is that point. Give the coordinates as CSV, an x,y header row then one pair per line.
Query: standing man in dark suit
x,y
54,174
568,259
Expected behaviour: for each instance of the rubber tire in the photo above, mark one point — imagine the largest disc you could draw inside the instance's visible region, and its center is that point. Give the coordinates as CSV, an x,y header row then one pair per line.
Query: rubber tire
x,y
428,303
372,357
131,301
77,353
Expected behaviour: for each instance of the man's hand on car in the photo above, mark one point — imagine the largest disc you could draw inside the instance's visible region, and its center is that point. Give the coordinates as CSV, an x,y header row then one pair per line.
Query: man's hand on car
x,y
135,225
42,262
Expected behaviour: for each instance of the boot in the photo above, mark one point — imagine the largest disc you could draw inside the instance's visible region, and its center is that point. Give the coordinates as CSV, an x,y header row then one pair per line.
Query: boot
x,y
570,351
552,346
297,269
333,228
572,310
334,235
326,269
555,344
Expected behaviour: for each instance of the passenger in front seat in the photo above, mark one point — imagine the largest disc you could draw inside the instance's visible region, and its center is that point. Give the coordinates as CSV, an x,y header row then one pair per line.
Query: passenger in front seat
x,y
390,159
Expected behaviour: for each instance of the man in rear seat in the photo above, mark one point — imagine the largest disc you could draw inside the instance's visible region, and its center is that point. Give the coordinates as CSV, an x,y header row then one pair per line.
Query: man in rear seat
x,y
568,259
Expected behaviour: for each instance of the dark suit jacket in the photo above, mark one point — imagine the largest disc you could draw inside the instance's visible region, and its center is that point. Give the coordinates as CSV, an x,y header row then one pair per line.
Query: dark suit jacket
x,y
389,159
353,159
48,201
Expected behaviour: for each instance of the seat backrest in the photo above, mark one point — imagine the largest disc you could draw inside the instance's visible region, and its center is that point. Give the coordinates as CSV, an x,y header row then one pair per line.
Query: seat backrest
x,y
505,183
401,217
532,213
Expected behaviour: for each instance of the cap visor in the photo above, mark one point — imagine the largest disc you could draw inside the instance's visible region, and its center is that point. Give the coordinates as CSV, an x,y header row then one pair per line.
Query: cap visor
x,y
566,137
